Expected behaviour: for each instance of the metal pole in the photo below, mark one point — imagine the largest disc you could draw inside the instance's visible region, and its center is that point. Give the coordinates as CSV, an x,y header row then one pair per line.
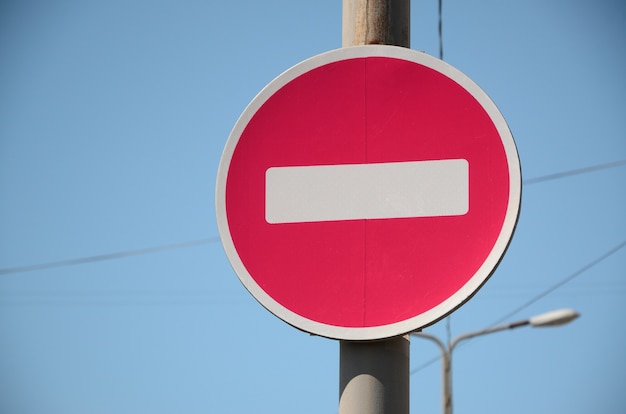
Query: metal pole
x,y
446,383
374,375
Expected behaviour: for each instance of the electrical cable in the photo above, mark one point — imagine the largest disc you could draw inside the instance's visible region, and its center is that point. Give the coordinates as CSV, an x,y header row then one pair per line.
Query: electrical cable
x,y
538,297
108,256
118,255
440,30
577,171
561,283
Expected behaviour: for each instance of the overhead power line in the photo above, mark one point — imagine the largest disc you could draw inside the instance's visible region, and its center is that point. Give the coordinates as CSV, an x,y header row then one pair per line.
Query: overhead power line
x,y
577,171
440,29
541,295
108,256
561,283
136,252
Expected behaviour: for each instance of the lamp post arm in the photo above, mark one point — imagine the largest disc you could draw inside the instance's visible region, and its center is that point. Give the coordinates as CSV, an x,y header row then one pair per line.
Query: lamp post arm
x,y
486,331
553,318
433,338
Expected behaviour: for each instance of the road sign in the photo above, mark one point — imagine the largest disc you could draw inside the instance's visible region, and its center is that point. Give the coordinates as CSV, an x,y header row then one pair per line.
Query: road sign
x,y
367,192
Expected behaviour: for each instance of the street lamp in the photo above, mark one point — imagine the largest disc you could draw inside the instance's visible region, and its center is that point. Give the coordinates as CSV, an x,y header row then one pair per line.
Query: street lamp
x,y
548,319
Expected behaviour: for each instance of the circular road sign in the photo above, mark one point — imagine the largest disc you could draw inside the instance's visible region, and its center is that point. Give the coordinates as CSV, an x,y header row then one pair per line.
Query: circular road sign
x,y
367,192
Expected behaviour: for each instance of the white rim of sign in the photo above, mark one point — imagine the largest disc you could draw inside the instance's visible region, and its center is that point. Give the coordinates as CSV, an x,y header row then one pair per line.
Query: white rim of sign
x,y
455,300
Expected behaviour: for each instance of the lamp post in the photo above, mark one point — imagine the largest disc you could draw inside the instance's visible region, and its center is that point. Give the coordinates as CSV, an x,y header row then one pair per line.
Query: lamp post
x,y
548,319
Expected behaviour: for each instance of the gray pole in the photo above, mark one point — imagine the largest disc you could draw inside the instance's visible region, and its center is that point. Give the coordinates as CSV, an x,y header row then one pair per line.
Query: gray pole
x,y
374,375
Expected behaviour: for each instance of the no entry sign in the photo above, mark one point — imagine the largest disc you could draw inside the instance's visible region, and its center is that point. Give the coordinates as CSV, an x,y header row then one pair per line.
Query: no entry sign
x,y
367,192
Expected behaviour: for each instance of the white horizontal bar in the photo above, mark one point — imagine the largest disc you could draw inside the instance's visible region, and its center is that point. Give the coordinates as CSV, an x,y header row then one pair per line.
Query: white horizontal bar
x,y
366,191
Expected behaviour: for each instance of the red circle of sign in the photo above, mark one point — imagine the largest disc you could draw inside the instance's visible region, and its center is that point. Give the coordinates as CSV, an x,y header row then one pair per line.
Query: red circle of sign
x,y
369,272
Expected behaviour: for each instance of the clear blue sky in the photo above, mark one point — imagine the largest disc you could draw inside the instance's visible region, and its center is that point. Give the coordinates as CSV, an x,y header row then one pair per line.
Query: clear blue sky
x,y
113,116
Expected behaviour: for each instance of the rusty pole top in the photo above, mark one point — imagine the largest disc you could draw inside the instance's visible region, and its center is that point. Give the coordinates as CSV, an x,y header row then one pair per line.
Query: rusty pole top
x,y
376,22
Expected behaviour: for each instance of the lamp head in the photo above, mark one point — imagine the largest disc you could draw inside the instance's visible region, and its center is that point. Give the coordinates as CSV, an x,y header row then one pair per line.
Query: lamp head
x,y
554,318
